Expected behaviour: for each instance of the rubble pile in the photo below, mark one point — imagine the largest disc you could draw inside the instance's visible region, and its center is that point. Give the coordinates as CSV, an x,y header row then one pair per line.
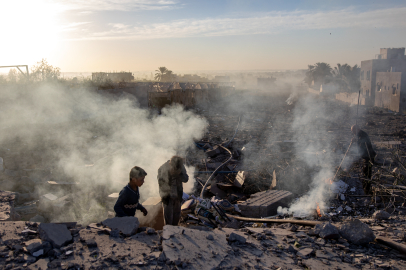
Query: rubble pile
x,y
347,245
246,166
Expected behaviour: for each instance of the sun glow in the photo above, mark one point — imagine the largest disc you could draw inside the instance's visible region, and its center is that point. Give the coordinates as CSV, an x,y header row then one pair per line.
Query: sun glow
x,y
29,29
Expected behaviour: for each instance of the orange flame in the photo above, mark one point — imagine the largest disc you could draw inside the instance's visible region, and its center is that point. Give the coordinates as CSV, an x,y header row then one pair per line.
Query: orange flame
x,y
329,180
318,210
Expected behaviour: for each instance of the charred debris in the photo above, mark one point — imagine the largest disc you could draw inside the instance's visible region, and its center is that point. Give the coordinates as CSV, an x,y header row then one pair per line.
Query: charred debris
x,y
247,167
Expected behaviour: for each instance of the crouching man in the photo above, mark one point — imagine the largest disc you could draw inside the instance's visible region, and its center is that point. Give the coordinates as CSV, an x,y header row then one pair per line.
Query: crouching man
x,y
128,199
171,175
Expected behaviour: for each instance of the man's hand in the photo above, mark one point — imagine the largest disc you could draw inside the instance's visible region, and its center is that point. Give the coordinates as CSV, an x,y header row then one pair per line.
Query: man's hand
x,y
144,211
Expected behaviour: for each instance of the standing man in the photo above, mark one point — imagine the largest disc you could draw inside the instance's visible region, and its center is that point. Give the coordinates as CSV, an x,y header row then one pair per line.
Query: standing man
x,y
171,175
128,200
366,153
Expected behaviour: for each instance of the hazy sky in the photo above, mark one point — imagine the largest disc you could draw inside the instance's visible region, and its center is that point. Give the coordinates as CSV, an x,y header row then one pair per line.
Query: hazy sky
x,y
107,35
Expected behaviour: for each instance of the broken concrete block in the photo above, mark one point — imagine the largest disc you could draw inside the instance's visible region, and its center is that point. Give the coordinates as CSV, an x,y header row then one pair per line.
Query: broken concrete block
x,y
356,232
329,231
236,237
7,211
381,214
240,178
181,244
57,234
127,225
304,252
35,245
265,203
155,217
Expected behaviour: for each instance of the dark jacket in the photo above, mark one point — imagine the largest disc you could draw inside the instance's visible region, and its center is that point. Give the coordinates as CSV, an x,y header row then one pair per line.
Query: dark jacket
x,y
127,202
168,183
364,145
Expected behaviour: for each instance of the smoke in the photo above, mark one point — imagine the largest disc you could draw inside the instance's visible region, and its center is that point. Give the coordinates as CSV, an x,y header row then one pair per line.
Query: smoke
x,y
86,137
313,118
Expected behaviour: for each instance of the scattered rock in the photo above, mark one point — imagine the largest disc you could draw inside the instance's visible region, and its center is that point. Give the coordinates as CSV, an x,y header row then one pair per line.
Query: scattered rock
x,y
236,237
210,237
37,244
304,252
127,225
356,232
381,214
329,231
57,234
38,253
150,230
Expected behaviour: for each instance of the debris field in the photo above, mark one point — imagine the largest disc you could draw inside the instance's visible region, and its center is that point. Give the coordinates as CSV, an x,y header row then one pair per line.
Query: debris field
x,y
248,166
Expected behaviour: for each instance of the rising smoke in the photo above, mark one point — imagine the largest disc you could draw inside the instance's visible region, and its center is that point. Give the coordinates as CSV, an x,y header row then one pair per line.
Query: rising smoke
x,y
315,145
86,137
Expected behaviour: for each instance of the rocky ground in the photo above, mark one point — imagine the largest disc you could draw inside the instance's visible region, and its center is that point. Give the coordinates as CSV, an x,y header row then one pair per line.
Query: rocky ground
x,y
352,231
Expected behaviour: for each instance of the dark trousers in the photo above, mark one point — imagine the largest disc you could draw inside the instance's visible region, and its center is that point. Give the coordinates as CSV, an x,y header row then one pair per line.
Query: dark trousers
x,y
367,172
172,211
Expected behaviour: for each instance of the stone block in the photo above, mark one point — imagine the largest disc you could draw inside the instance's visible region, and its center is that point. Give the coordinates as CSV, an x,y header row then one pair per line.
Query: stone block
x,y
265,203
127,225
155,217
57,234
357,232
37,244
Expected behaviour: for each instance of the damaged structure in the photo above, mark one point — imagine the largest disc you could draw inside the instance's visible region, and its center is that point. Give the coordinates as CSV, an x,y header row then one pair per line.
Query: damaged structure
x,y
383,81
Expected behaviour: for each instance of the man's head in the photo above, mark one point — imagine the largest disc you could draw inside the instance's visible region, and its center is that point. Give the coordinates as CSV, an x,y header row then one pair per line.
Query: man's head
x,y
137,176
354,129
176,165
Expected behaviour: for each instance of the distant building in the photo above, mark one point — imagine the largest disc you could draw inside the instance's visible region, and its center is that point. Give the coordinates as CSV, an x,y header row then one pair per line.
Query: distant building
x,y
383,80
113,76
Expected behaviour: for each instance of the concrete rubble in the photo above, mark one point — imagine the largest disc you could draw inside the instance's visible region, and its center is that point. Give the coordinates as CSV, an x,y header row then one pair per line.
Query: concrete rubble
x,y
354,230
126,225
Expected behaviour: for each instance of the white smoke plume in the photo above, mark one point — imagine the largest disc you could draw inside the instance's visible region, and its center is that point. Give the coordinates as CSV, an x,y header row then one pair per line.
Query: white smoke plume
x,y
94,139
314,145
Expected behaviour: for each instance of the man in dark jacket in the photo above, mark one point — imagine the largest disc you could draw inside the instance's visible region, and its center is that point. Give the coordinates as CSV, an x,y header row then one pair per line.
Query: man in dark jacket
x,y
171,175
366,153
128,199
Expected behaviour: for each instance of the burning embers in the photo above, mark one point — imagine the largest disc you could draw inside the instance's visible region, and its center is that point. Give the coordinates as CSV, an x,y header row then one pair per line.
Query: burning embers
x,y
318,210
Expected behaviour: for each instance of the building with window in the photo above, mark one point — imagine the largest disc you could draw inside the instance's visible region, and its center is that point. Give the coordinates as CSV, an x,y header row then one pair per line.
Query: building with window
x,y
383,79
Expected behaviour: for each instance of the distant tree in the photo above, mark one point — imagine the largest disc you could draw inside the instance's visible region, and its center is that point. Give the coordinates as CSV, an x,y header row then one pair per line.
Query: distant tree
x,y
319,73
168,76
347,77
164,75
43,71
160,72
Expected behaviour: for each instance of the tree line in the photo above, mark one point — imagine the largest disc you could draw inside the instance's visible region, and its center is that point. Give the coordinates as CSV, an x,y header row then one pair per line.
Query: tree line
x,y
345,76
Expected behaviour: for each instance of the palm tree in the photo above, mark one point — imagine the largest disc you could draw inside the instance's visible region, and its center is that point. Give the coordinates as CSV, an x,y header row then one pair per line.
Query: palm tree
x,y
168,76
318,73
160,72
347,77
